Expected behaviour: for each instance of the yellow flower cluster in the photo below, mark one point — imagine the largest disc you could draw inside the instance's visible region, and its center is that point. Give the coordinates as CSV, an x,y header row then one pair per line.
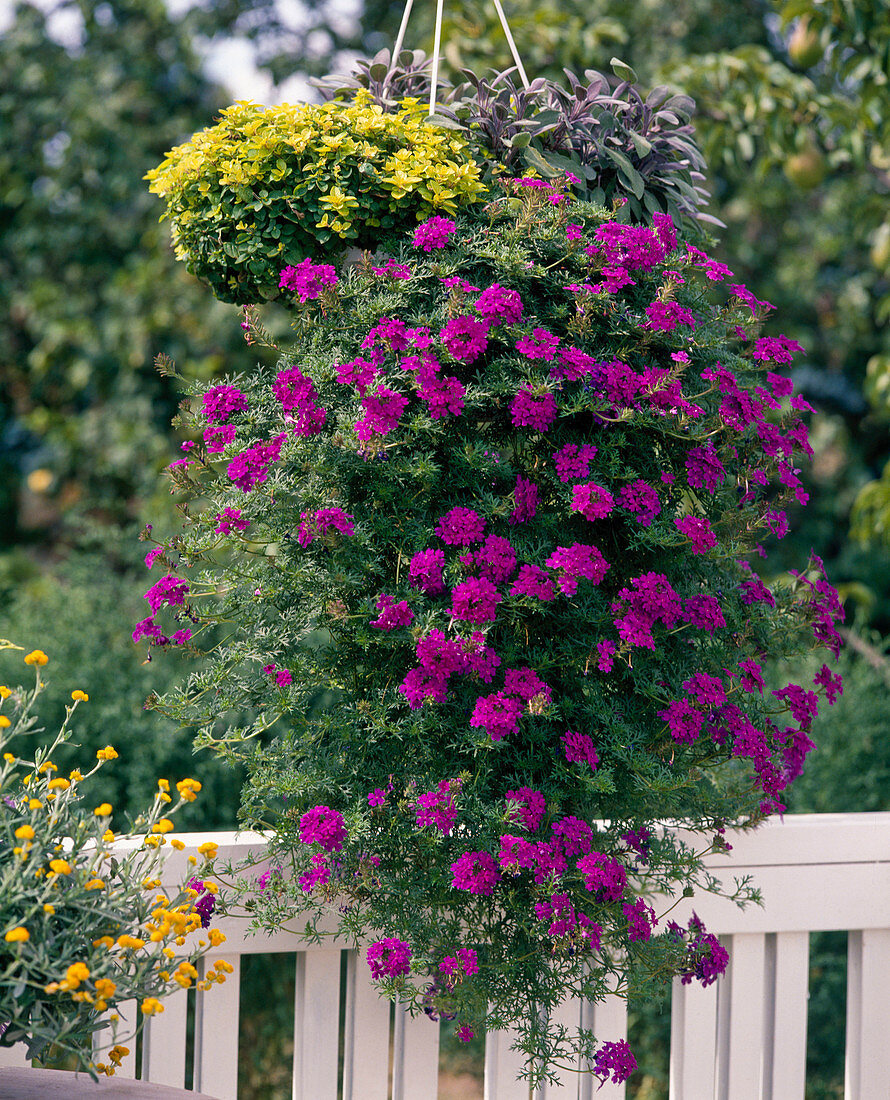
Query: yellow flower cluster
x,y
176,922
141,937
188,789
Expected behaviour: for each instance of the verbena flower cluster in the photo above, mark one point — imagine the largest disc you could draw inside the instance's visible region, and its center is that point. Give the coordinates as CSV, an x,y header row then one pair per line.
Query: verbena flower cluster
x,y
503,541
85,929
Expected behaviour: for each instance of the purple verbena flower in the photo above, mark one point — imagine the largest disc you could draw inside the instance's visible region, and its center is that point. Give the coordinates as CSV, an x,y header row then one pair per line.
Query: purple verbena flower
x,y
219,402
323,826
579,747
392,614
698,530
433,233
461,527
497,304
533,411
307,279
389,958
425,570
475,872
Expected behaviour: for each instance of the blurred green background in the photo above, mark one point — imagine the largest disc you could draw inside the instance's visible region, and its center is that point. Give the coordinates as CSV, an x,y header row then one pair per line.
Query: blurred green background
x,y
792,117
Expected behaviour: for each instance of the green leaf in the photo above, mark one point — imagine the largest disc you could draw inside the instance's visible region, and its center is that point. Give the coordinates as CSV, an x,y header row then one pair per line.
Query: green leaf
x,y
533,157
628,175
642,145
623,71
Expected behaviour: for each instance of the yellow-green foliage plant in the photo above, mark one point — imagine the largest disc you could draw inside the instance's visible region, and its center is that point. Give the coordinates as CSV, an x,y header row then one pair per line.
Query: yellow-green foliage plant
x,y
268,185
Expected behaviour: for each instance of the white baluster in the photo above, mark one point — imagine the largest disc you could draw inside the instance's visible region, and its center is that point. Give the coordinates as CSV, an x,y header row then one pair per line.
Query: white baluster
x,y
415,1059
317,1024
216,1033
366,1044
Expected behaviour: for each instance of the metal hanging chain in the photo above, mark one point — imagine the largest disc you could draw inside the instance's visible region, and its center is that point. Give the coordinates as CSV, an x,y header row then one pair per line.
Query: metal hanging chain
x,y
437,43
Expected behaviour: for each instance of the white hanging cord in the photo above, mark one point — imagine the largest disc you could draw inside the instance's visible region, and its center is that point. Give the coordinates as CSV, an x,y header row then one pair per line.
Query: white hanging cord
x,y
512,44
440,7
400,37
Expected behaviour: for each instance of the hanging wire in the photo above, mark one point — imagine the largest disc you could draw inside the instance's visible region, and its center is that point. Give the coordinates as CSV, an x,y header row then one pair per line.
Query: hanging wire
x,y
400,37
437,43
512,44
440,7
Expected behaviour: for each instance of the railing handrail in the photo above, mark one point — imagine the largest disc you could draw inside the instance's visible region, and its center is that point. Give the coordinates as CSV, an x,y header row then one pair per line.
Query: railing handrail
x,y
743,1038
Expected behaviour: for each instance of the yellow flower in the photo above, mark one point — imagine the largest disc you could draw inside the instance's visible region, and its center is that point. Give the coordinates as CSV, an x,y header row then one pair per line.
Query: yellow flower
x,y
4,692
165,825
108,836
163,784
58,784
34,803
4,722
103,810
188,789
108,753
104,941
105,987
130,942
76,775
211,887
60,866
94,884
7,756
75,974
36,657
47,766
24,832
17,935
80,696
216,937
151,1006
49,909
208,849
177,844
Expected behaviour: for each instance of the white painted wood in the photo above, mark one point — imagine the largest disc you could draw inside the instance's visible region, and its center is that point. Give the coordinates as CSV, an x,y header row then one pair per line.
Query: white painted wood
x,y
163,1042
607,1020
127,1012
502,1068
853,1051
868,1002
815,872
787,1037
317,1024
366,1042
14,1057
693,1067
216,1033
744,1073
415,1057
567,1015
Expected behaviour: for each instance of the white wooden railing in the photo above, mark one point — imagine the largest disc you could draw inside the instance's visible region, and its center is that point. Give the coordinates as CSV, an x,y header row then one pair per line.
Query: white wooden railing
x,y
743,1038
